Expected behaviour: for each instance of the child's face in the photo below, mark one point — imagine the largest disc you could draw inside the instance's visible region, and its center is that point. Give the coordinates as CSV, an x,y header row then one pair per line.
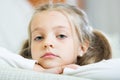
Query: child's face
x,y
52,41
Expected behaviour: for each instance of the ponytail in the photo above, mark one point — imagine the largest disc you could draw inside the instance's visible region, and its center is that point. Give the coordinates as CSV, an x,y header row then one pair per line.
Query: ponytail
x,y
98,50
26,52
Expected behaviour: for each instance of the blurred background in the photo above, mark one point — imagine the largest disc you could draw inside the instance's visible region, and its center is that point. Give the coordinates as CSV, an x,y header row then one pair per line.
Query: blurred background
x,y
16,14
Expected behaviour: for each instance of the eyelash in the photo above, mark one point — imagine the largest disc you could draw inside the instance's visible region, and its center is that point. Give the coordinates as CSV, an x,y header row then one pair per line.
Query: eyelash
x,y
61,36
38,38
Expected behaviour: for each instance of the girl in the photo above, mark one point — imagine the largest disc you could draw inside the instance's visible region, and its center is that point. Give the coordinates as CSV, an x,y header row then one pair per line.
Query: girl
x,y
60,35
62,41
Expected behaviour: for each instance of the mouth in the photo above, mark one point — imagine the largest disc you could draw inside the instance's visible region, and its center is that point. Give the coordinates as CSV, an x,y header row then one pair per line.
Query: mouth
x,y
49,55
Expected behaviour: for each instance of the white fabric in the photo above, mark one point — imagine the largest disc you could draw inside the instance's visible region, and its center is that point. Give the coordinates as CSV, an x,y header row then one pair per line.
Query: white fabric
x,y
104,70
16,60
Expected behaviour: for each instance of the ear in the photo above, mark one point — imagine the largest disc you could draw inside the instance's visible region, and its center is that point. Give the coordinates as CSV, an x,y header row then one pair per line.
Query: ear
x,y
82,49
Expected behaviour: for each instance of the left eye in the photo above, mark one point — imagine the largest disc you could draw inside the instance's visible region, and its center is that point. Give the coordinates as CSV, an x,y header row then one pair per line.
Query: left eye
x,y
61,36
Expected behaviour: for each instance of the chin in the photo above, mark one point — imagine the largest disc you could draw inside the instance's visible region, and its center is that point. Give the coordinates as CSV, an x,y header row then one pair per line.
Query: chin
x,y
50,65
47,64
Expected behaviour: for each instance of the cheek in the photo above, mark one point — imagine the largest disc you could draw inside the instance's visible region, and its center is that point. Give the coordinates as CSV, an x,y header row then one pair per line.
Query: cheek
x,y
69,57
70,53
34,51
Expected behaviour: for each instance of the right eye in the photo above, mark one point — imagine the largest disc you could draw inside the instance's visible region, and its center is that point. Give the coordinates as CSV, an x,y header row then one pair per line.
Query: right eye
x,y
38,38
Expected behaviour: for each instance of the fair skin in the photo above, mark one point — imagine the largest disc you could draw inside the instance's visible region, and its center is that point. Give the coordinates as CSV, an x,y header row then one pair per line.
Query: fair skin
x,y
52,41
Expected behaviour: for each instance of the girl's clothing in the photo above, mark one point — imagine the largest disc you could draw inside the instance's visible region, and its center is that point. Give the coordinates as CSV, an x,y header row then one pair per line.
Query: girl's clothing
x,y
104,70
15,60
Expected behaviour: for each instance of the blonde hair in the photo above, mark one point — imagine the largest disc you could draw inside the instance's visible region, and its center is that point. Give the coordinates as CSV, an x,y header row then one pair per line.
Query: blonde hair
x,y
99,47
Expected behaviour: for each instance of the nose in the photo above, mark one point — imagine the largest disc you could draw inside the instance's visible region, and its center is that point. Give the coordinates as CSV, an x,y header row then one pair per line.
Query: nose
x,y
48,46
48,43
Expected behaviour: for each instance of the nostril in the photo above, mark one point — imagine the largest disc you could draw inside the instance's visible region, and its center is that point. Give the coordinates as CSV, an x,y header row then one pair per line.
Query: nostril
x,y
51,45
47,46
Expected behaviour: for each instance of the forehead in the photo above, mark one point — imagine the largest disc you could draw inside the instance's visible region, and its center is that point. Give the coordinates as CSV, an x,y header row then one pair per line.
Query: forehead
x,y
49,18
49,15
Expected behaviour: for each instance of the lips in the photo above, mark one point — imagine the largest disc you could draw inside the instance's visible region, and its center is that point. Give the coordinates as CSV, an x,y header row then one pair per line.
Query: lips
x,y
49,55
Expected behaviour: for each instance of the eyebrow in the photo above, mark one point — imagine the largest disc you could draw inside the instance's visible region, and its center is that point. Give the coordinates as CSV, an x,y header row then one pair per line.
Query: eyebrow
x,y
36,29
58,27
